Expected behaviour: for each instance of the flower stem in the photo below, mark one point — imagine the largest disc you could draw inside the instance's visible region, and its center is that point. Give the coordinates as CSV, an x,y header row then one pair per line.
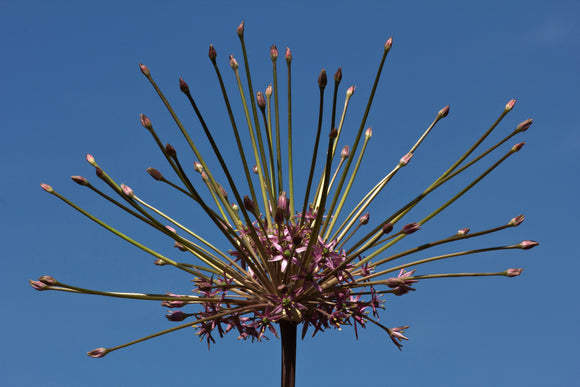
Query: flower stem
x,y
288,338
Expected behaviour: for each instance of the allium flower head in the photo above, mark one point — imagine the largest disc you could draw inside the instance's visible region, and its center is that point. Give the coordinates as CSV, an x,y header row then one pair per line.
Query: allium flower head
x,y
278,258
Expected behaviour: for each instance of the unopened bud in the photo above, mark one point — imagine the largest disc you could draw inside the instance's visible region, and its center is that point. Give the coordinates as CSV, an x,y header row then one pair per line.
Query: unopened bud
x,y
345,152
99,352
526,245
443,112
338,75
127,191
233,63
37,285
510,105
176,316
387,228
249,205
518,146
322,79
463,231
80,180
144,69
48,280
255,169
179,246
46,187
222,191
364,219
145,121
405,159
410,228
170,150
333,133
524,125
183,86
517,220
273,52
513,272
288,55
350,91
159,262
240,29
235,207
368,133
197,167
261,101
155,173
389,44
91,160
100,173
212,53
268,91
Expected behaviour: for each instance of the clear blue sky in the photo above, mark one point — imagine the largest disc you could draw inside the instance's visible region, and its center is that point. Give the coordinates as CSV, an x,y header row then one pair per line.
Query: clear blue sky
x,y
71,86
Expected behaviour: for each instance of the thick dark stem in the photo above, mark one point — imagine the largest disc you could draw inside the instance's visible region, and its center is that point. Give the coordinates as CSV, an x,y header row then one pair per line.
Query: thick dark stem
x,y
288,338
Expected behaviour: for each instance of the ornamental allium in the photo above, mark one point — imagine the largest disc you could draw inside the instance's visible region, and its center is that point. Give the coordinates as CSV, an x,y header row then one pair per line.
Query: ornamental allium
x,y
294,259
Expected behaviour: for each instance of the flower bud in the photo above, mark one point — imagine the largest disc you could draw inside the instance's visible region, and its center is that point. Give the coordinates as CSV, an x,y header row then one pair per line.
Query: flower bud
x,y
179,246
350,91
333,134
145,121
255,169
127,191
240,29
513,272
517,220
183,86
443,112
364,219
197,166
368,133
155,173
524,125
212,53
37,285
273,52
144,69
338,75
268,91
322,79
463,231
233,63
48,280
526,245
389,44
80,180
410,228
222,191
159,262
100,173
176,316
517,147
170,150
235,207
249,205
91,160
46,187
405,159
345,152
387,228
288,55
99,352
261,101
510,105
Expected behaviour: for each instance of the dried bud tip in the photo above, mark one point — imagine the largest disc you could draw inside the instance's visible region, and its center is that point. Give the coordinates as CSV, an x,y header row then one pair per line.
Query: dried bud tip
x,y
410,228
389,44
240,29
233,63
526,245
405,159
368,133
80,180
91,160
333,134
212,53
183,86
443,112
387,228
288,55
273,52
463,231
145,121
350,91
518,146
144,69
510,105
322,80
364,219
48,280
99,352
524,125
261,100
517,220
127,191
513,272
170,150
345,152
268,91
155,173
46,187
197,166
338,75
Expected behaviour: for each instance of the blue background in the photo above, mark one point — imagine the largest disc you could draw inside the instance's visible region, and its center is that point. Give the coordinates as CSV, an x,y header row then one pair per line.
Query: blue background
x,y
71,86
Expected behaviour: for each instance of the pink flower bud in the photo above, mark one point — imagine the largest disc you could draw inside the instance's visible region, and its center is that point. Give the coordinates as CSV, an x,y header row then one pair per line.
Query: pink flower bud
x,y
37,285
183,86
159,262
145,121
364,219
513,272
322,79
212,53
273,52
197,166
91,160
345,152
80,180
368,133
235,207
46,187
171,229
338,75
526,245
204,176
443,112
48,280
389,44
144,69
268,91
233,63
410,228
463,231
240,29
261,100
173,304
524,125
127,191
518,146
405,159
222,191
288,55
350,91
155,173
387,228
517,220
179,246
99,352
510,105
255,169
